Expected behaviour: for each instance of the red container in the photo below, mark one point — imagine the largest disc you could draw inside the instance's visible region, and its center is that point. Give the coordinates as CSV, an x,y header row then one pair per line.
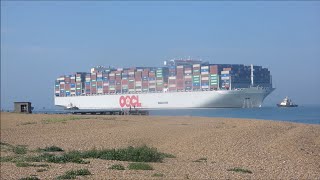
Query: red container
x,y
99,83
213,69
67,87
227,69
93,76
124,81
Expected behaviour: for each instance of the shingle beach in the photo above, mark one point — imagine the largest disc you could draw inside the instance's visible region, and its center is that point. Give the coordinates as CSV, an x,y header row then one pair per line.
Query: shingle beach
x,y
204,148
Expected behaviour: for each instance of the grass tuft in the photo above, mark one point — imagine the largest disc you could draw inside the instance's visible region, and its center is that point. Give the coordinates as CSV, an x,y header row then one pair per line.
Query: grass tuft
x,y
237,169
157,175
201,160
117,167
24,164
28,123
42,170
74,173
20,149
30,178
51,149
140,166
65,119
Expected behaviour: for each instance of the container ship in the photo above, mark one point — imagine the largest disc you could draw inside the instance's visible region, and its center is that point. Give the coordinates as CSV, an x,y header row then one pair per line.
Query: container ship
x,y
179,84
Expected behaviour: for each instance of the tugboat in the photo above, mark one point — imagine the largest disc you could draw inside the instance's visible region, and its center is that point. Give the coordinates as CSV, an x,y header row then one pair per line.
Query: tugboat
x,y
71,107
286,102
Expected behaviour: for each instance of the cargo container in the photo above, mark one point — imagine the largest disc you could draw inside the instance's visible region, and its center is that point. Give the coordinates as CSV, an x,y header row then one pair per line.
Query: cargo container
x,y
178,77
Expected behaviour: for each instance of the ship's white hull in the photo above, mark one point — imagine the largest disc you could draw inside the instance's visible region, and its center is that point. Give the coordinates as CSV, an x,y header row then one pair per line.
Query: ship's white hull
x,y
244,98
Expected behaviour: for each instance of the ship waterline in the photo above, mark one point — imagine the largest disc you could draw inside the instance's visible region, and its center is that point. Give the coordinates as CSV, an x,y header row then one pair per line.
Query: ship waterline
x,y
236,98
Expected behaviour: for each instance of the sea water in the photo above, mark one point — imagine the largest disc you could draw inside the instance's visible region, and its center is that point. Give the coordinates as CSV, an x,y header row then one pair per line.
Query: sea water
x,y
303,114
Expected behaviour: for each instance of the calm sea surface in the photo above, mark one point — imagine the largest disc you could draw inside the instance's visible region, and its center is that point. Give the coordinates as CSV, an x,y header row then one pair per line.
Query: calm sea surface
x,y
301,114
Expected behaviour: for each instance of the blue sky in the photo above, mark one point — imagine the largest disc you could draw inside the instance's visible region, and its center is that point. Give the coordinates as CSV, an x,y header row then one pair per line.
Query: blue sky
x,y
42,40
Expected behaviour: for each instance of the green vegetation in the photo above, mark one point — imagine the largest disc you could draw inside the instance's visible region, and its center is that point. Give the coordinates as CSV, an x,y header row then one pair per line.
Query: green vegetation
x,y
237,169
6,158
72,156
157,175
51,149
201,160
42,170
117,167
74,173
28,123
30,178
24,164
20,149
140,166
65,119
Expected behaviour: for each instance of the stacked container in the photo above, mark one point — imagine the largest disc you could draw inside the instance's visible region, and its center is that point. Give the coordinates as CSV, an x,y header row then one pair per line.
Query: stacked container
x,y
225,78
188,77
93,83
138,80
99,83
214,77
131,80
105,82
125,81
196,77
152,80
180,78
118,80
159,79
204,77
79,83
145,80
88,84
172,78
67,87
112,82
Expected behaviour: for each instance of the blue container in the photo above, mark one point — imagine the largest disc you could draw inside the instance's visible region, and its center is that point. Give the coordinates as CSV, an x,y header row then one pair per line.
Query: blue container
x,y
78,93
67,93
72,85
88,83
152,78
57,94
196,84
61,91
99,87
225,75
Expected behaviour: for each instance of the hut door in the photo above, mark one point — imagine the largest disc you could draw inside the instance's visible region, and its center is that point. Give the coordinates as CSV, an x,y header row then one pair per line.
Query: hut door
x,y
23,108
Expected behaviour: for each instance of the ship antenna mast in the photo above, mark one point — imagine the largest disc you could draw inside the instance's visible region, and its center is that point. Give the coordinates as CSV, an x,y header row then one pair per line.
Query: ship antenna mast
x,y
252,75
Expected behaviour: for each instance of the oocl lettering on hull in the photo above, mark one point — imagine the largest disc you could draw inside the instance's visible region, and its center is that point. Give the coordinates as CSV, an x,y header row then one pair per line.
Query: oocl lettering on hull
x,y
129,101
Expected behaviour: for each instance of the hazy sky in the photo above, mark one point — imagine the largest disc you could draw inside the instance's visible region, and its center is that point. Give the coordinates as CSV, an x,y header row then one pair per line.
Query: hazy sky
x,y
42,40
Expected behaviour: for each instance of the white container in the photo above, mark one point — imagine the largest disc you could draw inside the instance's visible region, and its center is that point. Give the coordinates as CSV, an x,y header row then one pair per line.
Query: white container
x,y
196,65
152,86
172,77
159,81
179,67
225,78
188,77
172,85
204,72
153,81
224,72
204,67
62,82
204,78
131,73
57,91
204,86
188,71
111,74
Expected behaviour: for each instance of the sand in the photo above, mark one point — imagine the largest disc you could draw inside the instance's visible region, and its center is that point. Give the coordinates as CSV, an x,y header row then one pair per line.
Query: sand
x,y
270,149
